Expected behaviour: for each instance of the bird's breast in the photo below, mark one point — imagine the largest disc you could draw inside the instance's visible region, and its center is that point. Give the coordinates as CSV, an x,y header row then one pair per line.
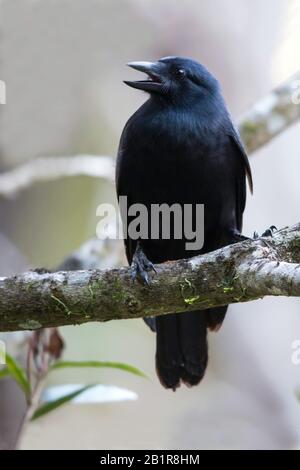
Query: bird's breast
x,y
177,157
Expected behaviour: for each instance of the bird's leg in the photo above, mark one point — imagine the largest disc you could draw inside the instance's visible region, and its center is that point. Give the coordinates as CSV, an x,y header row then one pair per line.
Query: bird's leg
x,y
140,265
236,236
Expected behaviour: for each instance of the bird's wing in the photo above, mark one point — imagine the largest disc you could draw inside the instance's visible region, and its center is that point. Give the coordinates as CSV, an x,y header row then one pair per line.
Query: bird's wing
x,y
235,137
240,180
122,187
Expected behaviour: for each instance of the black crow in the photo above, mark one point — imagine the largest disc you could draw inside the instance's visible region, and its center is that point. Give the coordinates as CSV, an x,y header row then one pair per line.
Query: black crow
x,y
181,147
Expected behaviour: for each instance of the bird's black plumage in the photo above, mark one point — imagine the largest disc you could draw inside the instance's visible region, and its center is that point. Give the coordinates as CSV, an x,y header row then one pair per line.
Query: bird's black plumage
x,y
181,147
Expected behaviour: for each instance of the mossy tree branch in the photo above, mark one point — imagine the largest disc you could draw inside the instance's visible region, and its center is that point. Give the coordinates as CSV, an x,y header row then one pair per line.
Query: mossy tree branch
x,y
271,115
238,273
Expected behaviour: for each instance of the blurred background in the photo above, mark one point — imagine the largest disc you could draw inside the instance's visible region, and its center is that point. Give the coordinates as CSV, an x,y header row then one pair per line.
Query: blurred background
x,y
63,62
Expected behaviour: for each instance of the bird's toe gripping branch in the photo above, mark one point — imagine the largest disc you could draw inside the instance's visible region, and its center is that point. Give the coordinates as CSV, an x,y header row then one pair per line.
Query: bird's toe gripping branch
x,y
267,233
141,265
238,237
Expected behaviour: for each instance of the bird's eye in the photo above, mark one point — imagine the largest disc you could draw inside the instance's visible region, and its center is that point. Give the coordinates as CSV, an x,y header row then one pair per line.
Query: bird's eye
x,y
180,74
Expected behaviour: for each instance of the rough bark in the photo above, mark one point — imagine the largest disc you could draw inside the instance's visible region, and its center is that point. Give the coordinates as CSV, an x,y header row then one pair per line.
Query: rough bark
x,y
237,273
271,115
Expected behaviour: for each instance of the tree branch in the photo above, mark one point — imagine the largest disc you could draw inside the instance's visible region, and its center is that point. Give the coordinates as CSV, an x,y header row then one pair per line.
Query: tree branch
x,y
52,168
237,273
272,115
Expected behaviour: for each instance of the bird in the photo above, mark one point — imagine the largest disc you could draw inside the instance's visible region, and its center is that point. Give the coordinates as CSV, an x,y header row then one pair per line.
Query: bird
x,y
182,147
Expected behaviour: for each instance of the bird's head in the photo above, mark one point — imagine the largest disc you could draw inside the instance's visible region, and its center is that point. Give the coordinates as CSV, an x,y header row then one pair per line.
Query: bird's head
x,y
172,77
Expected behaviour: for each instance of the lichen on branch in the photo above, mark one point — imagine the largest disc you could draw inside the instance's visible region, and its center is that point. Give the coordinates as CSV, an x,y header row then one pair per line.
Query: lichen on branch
x,y
237,273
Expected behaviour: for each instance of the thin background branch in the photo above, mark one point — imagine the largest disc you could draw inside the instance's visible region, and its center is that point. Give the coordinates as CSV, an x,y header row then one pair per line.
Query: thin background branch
x,y
52,168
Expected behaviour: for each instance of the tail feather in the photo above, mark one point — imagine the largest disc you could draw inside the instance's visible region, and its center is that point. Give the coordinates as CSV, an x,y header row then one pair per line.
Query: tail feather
x,y
182,350
193,345
168,354
215,317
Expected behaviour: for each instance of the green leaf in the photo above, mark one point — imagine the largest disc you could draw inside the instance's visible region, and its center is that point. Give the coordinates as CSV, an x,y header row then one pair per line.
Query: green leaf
x,y
192,300
52,405
17,372
4,373
112,365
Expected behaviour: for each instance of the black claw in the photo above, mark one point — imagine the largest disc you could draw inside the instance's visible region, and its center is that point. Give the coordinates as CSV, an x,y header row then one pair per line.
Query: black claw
x,y
145,277
133,274
269,232
141,266
151,267
266,234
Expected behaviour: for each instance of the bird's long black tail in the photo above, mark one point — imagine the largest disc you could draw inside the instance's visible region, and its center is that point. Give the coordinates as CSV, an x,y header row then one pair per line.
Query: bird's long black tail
x,y
181,346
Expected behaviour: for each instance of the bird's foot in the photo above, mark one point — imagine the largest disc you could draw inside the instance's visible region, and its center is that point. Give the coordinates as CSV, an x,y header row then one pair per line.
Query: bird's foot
x,y
236,236
141,266
267,233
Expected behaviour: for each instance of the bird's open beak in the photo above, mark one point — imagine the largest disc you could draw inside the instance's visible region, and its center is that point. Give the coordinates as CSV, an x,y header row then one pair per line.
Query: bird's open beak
x,y
154,70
